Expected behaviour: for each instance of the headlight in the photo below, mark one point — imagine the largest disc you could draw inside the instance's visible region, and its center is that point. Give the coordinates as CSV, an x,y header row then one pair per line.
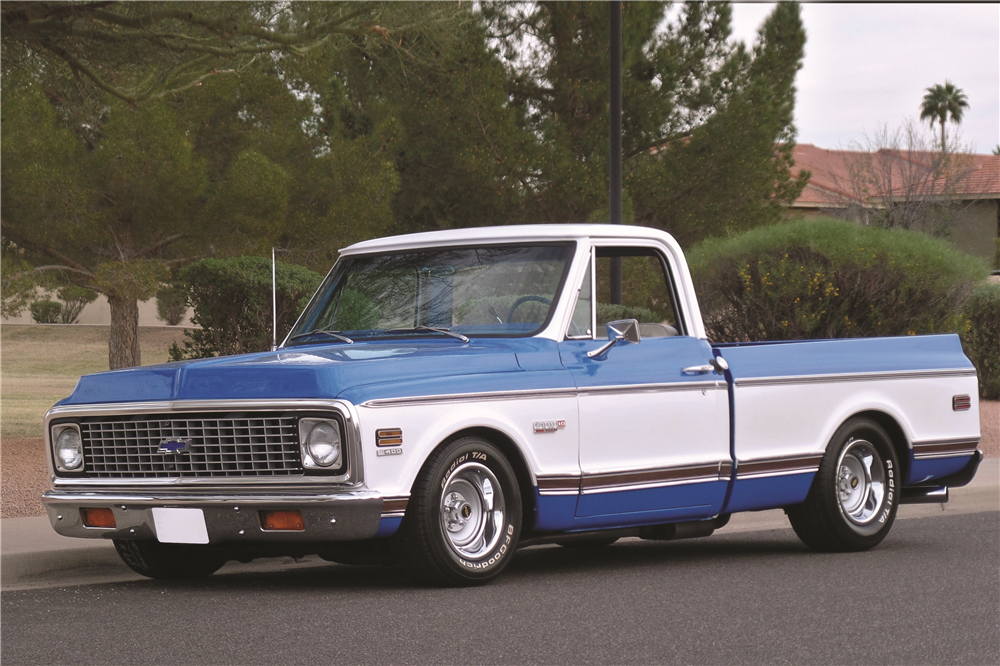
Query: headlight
x,y
68,448
320,442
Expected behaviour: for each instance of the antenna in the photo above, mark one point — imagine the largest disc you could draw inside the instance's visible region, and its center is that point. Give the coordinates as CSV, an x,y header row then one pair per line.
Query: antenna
x,y
274,304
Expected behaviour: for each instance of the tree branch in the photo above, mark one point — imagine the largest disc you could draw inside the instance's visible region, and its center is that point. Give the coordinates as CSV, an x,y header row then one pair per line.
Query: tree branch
x,y
78,66
24,241
156,247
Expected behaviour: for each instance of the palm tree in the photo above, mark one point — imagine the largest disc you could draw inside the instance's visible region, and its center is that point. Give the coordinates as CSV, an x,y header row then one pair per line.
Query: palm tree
x,y
942,101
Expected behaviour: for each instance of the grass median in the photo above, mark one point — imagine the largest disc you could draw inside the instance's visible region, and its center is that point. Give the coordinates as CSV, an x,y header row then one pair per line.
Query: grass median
x,y
39,366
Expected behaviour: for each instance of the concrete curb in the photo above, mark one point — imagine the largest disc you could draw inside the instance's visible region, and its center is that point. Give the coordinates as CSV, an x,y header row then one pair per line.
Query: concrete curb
x,y
34,556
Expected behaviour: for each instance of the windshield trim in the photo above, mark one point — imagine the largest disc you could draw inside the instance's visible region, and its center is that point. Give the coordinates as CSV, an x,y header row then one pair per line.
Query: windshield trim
x,y
336,271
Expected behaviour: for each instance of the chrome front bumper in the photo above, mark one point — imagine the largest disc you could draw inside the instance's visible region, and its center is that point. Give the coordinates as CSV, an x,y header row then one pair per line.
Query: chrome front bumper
x,y
230,519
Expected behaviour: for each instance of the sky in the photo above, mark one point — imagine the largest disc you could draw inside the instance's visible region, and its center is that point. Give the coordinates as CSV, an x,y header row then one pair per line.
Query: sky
x,y
869,64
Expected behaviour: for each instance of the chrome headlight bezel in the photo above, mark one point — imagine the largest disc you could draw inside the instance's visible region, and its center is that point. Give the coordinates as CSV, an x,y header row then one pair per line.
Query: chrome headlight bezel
x,y
59,431
321,443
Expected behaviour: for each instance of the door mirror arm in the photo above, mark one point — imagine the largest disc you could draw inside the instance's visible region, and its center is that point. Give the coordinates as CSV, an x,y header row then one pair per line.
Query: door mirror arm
x,y
621,331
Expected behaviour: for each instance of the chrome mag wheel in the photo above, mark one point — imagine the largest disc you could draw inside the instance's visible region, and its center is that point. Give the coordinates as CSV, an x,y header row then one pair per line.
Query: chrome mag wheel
x,y
852,503
860,482
472,510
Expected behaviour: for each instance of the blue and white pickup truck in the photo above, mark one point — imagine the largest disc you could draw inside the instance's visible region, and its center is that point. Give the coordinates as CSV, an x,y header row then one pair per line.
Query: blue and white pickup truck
x,y
448,397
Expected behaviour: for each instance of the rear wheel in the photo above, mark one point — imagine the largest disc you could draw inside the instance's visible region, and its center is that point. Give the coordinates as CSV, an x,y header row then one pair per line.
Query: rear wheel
x,y
168,560
853,500
463,519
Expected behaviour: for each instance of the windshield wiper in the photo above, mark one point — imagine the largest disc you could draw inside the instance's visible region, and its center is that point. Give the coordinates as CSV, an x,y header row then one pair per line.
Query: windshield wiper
x,y
428,329
330,334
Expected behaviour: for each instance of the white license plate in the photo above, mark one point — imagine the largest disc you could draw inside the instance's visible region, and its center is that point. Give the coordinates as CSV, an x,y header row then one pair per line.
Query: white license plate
x,y
180,525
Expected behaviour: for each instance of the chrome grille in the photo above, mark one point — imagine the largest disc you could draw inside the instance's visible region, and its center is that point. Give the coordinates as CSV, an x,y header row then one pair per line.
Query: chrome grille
x,y
221,445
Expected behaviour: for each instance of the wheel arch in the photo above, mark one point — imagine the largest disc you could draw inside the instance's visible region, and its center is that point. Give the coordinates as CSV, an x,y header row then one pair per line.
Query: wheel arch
x,y
897,436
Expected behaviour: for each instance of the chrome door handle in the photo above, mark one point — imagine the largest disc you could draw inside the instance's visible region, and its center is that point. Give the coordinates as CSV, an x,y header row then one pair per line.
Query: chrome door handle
x,y
716,363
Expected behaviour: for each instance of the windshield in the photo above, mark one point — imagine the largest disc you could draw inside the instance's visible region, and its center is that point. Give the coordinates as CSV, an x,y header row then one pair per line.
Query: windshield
x,y
506,290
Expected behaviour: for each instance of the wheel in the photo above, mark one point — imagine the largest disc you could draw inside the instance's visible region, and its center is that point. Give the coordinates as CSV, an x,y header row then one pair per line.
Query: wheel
x,y
168,560
525,299
853,500
463,519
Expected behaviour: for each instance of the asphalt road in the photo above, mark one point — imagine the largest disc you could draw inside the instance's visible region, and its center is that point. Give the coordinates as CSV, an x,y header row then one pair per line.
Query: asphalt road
x,y
930,594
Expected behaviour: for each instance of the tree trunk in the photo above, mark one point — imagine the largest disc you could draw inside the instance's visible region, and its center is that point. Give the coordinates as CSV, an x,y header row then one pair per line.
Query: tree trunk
x,y
123,343
944,147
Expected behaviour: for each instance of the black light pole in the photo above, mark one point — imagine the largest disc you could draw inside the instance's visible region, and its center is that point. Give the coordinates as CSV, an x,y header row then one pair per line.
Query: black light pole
x,y
615,166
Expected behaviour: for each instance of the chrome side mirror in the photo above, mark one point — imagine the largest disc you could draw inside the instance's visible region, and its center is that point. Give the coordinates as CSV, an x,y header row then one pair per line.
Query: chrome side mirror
x,y
623,330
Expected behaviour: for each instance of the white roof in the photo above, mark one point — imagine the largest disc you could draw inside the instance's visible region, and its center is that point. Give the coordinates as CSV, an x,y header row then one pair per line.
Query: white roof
x,y
507,234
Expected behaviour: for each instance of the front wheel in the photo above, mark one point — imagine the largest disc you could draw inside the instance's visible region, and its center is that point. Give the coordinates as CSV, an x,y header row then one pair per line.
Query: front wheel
x,y
463,519
168,560
853,500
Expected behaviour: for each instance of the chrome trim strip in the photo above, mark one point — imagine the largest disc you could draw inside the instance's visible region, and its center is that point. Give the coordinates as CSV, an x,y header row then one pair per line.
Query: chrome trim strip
x,y
558,485
944,448
651,484
651,388
764,467
353,477
394,507
649,477
528,394
856,376
604,482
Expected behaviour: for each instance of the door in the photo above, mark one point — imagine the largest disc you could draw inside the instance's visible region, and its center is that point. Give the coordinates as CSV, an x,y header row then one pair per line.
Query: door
x,y
654,439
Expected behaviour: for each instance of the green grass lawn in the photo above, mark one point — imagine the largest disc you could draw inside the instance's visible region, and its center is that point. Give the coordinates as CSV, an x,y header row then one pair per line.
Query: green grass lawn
x,y
40,364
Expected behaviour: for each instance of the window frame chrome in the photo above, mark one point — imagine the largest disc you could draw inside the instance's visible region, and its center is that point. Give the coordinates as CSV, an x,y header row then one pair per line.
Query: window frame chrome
x,y
685,325
591,270
352,477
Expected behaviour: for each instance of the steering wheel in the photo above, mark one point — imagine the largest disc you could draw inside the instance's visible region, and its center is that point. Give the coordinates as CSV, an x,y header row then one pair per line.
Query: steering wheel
x,y
525,299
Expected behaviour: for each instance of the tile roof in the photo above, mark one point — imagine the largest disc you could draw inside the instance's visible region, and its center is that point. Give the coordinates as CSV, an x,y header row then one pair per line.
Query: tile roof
x,y
830,169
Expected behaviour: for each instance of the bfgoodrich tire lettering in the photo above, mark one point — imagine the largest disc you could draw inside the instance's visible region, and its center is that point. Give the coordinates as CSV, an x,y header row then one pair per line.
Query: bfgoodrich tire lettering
x,y
463,519
168,560
853,500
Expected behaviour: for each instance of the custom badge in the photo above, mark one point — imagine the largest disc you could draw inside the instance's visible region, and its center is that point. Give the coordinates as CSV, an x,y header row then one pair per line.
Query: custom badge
x,y
175,446
550,425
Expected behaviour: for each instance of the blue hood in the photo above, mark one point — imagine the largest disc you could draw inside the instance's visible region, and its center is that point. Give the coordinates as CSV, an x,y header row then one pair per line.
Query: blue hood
x,y
319,371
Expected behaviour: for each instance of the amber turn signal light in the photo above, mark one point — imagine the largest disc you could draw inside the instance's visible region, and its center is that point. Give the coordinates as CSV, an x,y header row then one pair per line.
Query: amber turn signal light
x,y
282,520
97,518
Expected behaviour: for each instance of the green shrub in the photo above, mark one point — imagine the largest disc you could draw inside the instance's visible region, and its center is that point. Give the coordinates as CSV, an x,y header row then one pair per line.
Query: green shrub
x,y
232,304
609,312
981,338
171,304
46,312
74,299
830,279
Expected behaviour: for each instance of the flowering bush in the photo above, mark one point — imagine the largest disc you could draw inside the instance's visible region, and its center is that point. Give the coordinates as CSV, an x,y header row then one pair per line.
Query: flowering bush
x,y
831,279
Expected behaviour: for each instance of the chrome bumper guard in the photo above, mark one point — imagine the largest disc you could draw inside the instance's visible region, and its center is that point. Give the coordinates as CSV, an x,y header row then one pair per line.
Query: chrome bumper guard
x,y
230,519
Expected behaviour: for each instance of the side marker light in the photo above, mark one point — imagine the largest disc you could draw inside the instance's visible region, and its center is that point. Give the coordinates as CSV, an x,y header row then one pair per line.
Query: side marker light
x,y
289,521
98,518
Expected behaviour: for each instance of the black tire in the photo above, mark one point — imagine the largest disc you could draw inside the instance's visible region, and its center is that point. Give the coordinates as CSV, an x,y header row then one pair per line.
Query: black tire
x,y
854,497
170,561
463,519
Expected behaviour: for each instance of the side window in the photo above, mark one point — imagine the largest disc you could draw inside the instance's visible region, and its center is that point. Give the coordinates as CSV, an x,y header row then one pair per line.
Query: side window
x,y
646,291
